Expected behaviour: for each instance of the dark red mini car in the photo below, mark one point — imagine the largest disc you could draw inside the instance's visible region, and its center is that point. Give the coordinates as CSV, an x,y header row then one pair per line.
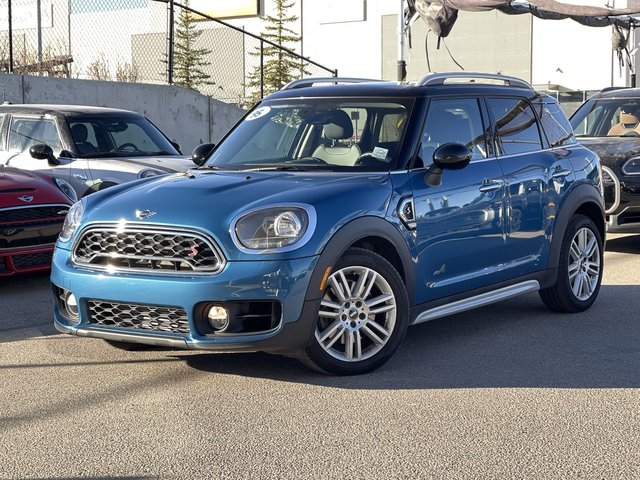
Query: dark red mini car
x,y
32,211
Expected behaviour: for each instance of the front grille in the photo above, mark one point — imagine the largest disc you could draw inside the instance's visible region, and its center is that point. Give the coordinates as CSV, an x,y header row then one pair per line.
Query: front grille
x,y
611,190
29,260
138,317
55,213
629,216
140,249
3,265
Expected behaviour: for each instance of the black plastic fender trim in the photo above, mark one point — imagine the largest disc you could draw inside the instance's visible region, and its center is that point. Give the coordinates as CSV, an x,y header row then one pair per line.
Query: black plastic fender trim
x,y
579,196
348,235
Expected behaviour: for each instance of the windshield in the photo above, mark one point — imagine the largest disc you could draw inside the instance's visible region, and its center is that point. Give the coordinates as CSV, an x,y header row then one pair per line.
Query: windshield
x,y
615,117
118,136
323,134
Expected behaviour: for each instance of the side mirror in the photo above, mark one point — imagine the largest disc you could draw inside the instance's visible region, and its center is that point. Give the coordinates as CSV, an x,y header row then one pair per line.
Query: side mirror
x,y
453,156
202,152
176,145
450,156
42,151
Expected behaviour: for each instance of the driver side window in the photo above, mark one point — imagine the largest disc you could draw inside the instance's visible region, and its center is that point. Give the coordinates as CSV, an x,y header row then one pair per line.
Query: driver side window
x,y
25,132
455,120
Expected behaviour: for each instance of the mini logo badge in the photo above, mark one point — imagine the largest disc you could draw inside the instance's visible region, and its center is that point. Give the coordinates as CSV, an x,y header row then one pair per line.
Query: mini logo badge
x,y
26,198
144,213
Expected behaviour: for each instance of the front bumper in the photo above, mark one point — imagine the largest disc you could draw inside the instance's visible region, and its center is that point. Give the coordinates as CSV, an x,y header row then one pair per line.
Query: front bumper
x,y
622,199
25,260
285,282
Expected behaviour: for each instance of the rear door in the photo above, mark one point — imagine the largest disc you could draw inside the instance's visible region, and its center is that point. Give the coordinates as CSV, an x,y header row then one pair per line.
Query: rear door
x,y
534,175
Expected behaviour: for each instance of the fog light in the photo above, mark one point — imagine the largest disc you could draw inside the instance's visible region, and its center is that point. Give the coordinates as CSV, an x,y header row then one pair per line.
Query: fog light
x,y
218,318
71,304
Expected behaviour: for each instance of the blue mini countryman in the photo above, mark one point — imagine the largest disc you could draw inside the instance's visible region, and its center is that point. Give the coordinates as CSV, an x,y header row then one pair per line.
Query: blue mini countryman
x,y
337,213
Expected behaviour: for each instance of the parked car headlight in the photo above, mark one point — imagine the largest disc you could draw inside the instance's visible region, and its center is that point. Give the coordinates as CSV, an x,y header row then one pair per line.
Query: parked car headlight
x,y
67,189
631,166
276,227
72,221
149,172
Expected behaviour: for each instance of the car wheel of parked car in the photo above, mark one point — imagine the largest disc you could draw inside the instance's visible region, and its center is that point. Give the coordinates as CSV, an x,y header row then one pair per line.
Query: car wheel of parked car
x,y
363,316
580,268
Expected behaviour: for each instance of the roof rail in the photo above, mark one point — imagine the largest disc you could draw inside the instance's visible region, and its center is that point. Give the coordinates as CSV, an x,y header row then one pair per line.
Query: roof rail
x,y
309,82
440,78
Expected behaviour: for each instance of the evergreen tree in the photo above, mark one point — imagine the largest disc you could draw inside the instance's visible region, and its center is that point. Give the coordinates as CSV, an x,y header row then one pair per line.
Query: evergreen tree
x,y
189,61
280,67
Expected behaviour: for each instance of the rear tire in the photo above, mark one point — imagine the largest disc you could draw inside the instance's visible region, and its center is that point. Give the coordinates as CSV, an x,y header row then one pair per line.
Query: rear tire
x,y
363,316
580,269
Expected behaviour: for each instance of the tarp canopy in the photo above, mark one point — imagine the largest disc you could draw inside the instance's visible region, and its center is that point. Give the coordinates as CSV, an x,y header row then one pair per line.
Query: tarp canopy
x,y
441,15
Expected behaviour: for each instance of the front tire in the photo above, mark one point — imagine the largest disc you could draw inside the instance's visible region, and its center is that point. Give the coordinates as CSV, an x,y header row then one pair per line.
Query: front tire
x,y
363,316
580,269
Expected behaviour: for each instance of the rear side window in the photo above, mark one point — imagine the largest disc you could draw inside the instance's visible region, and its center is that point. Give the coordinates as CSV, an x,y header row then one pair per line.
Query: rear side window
x,y
555,124
516,126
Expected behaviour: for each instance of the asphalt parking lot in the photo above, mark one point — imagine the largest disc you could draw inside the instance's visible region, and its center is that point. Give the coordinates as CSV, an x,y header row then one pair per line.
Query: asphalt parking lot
x,y
506,391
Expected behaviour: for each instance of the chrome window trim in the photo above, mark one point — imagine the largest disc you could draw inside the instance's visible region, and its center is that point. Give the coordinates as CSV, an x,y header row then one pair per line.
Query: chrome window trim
x,y
616,183
313,220
149,228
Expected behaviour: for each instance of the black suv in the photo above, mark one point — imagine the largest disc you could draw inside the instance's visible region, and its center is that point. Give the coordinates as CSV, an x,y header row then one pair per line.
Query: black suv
x,y
609,124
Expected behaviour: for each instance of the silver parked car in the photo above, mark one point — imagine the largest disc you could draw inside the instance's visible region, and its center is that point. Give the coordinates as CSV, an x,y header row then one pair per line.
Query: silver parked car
x,y
90,147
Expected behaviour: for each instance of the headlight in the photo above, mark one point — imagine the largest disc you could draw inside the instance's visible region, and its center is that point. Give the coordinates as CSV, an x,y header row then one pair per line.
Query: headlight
x,y
66,189
276,227
72,221
149,172
631,166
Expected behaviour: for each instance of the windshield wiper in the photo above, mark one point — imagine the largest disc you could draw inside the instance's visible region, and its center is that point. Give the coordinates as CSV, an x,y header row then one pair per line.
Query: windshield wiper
x,y
295,168
207,167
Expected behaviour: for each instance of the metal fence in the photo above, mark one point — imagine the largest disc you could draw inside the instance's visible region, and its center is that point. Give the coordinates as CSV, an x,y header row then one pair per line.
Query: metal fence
x,y
140,41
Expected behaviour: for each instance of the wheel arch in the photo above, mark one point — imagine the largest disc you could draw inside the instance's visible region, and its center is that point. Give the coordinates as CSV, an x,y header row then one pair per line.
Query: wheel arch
x,y
585,199
370,233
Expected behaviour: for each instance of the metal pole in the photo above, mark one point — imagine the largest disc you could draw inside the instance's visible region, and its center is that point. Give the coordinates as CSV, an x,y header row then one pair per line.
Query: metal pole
x,y
10,38
39,28
261,69
170,43
402,65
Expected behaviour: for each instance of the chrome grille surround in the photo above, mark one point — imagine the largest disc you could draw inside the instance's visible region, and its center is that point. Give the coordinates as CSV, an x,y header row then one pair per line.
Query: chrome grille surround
x,y
150,318
155,249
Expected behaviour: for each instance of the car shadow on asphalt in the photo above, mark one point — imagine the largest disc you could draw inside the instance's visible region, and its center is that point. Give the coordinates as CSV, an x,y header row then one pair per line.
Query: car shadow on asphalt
x,y
624,244
515,344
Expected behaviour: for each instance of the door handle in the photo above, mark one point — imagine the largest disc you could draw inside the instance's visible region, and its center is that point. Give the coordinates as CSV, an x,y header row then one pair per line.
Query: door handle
x,y
489,185
560,173
79,176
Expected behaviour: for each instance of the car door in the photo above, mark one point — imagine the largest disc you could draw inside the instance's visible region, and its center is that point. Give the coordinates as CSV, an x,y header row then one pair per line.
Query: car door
x,y
25,131
534,176
460,231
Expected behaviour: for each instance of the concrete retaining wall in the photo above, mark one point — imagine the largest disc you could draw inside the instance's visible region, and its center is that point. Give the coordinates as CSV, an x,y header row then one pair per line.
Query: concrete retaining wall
x,y
186,117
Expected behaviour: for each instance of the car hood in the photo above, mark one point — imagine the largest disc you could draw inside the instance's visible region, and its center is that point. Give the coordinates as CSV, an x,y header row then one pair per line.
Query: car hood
x,y
210,201
15,183
165,163
613,151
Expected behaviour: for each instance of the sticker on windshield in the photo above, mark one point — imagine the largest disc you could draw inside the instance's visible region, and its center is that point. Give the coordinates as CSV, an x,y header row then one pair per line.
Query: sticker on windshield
x,y
380,153
257,113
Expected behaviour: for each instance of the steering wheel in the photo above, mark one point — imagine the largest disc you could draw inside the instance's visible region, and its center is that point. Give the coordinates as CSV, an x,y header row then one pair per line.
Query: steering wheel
x,y
125,146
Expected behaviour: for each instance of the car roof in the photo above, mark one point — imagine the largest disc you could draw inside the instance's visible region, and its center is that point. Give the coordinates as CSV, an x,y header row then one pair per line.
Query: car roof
x,y
63,110
399,90
615,92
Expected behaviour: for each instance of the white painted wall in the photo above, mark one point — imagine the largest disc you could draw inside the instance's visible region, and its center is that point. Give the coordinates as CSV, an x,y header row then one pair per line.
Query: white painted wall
x,y
573,55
